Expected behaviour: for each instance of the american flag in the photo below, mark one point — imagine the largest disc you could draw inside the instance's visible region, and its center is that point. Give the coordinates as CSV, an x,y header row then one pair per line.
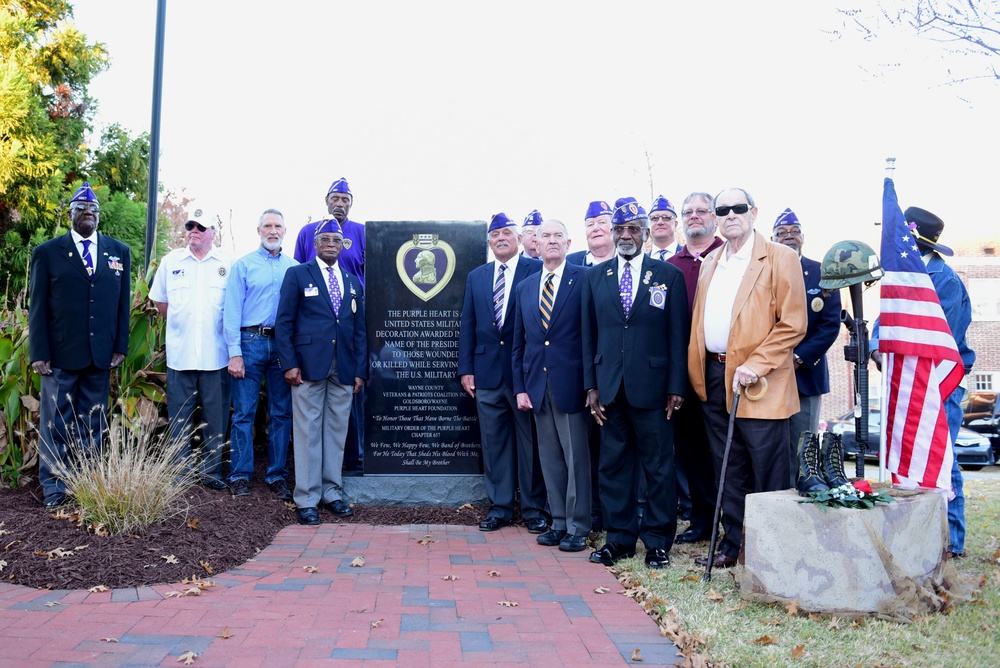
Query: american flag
x,y
920,357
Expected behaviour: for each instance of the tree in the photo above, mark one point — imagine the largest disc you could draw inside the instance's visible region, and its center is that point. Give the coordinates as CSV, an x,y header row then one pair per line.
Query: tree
x,y
122,162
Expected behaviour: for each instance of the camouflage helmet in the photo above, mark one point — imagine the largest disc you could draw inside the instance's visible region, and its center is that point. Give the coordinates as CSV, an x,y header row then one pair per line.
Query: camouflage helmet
x,y
847,263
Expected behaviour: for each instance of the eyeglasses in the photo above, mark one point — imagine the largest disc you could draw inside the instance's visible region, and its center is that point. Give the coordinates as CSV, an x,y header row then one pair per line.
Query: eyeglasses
x,y
688,213
93,208
329,241
784,234
665,217
738,209
190,225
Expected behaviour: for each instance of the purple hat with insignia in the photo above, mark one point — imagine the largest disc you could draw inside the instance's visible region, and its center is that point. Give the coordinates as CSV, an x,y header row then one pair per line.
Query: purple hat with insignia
x,y
340,186
533,219
661,203
328,227
85,194
500,221
596,209
627,209
786,217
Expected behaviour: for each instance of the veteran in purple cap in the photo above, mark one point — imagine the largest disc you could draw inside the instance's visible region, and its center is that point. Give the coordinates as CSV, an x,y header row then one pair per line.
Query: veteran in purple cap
x,y
597,226
485,342
663,229
635,332
528,229
339,200
78,317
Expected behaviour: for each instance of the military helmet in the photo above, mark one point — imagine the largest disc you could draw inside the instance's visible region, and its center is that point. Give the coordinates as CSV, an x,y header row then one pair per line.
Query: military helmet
x,y
847,263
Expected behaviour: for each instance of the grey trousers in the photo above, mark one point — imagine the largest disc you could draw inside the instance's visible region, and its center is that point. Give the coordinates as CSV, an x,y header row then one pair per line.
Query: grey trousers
x,y
564,452
210,390
320,411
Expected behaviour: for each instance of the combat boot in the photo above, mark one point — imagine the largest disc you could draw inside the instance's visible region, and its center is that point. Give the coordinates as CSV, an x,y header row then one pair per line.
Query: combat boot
x,y
833,460
810,478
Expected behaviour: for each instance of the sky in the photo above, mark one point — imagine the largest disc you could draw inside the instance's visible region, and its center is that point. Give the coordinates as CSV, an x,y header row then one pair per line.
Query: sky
x,y
458,110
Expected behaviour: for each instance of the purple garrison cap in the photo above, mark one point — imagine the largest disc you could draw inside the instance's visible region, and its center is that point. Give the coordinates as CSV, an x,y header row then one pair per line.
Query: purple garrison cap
x,y
85,194
340,186
786,217
533,219
500,221
596,209
628,211
661,203
328,227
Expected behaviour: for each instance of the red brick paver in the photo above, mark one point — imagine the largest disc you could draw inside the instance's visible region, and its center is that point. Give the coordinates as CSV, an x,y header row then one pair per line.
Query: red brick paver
x,y
424,596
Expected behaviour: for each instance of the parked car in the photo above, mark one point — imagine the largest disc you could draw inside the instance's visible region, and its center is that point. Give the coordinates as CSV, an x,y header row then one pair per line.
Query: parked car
x,y
972,450
982,415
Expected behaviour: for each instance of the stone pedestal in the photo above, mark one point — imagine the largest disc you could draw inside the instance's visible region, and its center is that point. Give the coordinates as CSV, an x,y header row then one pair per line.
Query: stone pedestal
x,y
888,560
416,490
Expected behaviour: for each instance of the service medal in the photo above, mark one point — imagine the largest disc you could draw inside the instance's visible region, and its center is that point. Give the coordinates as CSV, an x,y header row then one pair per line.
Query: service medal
x,y
817,304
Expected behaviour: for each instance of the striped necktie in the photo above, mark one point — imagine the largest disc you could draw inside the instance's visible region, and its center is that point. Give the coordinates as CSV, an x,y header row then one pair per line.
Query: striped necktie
x,y
335,295
663,254
625,288
548,300
498,289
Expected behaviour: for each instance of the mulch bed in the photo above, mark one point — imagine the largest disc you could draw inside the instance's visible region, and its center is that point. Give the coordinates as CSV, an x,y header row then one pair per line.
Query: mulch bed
x,y
229,532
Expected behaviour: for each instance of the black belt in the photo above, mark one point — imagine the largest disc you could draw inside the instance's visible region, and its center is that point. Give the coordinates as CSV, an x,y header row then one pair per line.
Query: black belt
x,y
718,357
259,329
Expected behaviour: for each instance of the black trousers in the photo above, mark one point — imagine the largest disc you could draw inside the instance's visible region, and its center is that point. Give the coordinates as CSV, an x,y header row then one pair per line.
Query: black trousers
x,y
758,459
694,460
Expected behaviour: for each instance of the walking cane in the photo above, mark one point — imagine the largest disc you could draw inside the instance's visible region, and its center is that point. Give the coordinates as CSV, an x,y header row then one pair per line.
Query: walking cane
x,y
707,577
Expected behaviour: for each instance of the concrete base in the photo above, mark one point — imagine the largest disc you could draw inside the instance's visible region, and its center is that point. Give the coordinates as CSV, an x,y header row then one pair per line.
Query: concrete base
x,y
889,560
416,490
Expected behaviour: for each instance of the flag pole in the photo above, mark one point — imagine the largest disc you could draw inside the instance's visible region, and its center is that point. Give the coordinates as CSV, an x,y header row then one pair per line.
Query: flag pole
x,y
890,169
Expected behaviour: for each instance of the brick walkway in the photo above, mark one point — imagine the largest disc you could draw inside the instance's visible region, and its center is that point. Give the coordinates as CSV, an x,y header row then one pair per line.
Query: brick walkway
x,y
399,608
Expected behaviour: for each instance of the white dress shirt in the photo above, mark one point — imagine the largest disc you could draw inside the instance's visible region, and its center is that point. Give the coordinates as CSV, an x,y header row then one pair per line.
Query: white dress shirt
x,y
722,295
337,278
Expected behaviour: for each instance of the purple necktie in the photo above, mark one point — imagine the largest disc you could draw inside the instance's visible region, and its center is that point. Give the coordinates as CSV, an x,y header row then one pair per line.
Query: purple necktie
x,y
88,261
498,289
334,286
625,288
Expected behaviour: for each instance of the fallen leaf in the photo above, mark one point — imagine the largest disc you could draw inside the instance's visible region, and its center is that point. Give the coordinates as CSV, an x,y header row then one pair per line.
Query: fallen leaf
x,y
187,658
508,604
769,622
834,624
739,606
636,655
3,564
358,562
601,590
793,608
690,577
919,648
192,591
207,567
766,640
450,577
493,574
225,635
109,639
193,524
378,622
813,617
425,541
171,559
173,594
714,596
986,627
99,530
465,506
310,569
857,622
98,588
798,651
51,604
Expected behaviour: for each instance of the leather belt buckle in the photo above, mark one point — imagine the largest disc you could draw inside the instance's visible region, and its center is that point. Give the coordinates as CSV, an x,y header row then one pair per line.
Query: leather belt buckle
x,y
267,331
718,357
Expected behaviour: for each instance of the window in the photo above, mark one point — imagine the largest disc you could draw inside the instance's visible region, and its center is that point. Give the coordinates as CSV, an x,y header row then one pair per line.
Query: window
x,y
982,382
985,296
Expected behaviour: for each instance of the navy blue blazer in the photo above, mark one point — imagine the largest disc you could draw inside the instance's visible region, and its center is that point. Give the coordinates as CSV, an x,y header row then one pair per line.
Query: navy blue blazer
x,y
483,350
648,350
813,376
76,320
553,355
578,258
307,331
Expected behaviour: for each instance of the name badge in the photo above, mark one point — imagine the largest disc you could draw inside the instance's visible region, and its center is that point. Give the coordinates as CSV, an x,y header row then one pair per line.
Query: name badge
x,y
311,291
658,297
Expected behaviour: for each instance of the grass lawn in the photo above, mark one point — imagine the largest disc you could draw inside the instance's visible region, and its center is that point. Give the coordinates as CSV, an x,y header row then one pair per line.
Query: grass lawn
x,y
719,628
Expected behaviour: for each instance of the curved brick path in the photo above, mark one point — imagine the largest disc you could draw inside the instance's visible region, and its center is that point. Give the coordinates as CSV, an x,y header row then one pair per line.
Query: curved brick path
x,y
279,614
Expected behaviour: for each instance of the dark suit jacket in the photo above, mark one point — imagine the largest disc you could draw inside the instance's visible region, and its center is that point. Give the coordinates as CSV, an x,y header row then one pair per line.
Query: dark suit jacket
x,y
307,331
483,350
578,258
812,376
648,351
552,355
76,320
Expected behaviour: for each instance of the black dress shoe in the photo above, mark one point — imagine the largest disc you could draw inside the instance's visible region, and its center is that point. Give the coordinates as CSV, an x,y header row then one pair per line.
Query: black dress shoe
x,y
339,508
280,489
611,553
214,483
551,538
537,525
657,557
573,543
493,523
720,561
308,516
693,536
55,500
240,487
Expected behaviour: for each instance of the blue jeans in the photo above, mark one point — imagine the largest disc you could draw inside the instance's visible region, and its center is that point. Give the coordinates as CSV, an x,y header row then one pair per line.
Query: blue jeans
x,y
260,360
956,507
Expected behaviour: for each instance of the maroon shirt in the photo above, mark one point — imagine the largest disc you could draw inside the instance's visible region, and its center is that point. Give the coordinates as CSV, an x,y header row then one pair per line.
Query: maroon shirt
x,y
690,265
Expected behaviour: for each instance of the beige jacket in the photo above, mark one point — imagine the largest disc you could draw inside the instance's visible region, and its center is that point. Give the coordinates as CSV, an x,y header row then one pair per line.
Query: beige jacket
x,y
769,319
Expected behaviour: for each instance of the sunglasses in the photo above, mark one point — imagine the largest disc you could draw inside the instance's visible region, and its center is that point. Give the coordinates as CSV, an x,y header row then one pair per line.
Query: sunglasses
x,y
190,225
93,208
738,209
